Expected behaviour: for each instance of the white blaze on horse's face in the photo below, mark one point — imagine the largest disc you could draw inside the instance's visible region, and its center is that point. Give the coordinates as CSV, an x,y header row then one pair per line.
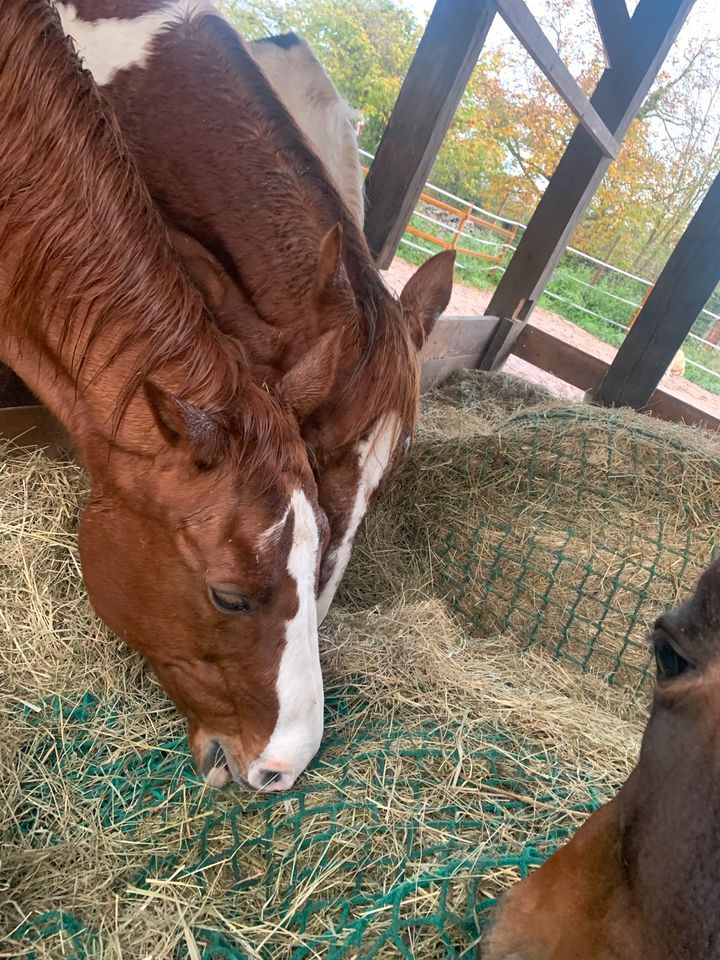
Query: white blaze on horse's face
x,y
111,44
298,730
374,455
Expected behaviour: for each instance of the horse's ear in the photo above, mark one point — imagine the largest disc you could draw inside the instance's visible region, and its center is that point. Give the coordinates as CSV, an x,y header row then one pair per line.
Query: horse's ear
x,y
205,271
427,293
332,279
304,387
185,425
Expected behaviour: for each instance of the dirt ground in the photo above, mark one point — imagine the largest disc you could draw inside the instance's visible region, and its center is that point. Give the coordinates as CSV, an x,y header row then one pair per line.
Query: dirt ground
x,y
469,301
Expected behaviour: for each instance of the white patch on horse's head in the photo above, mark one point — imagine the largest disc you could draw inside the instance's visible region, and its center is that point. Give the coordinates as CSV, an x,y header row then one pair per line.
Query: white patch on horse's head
x,y
113,44
299,726
374,457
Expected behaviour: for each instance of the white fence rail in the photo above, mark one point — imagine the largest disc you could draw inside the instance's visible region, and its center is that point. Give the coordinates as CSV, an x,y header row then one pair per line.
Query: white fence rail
x,y
610,268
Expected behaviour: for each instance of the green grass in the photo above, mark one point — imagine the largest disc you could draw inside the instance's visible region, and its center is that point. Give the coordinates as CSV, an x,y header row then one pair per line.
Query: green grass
x,y
591,307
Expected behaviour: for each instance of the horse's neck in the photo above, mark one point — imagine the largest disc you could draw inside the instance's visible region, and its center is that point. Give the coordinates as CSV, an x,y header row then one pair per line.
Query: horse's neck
x,y
90,291
83,404
44,346
256,212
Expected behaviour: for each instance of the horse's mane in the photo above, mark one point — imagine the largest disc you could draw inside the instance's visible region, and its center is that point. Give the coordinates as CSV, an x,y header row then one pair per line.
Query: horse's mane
x,y
89,247
378,322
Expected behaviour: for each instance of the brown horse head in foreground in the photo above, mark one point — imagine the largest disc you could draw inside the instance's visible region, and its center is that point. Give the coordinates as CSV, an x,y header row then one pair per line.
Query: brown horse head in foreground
x,y
201,540
641,879
258,221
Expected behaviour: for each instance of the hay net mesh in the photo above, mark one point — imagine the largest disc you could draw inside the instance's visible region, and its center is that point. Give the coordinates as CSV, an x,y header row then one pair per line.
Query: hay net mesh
x,y
486,670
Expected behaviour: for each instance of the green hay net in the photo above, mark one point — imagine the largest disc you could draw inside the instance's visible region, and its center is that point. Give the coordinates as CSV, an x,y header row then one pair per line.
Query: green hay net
x,y
265,849
571,527
564,529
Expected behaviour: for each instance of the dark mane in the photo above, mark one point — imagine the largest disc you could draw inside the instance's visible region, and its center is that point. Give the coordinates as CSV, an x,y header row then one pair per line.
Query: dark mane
x,y
386,347
88,252
283,40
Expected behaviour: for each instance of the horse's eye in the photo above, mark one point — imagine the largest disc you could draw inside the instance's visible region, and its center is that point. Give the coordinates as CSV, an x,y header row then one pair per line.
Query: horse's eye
x,y
669,662
230,600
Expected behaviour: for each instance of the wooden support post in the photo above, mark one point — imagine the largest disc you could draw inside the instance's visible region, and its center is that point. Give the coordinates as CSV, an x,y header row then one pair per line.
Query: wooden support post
x,y
429,96
681,291
613,21
618,95
528,31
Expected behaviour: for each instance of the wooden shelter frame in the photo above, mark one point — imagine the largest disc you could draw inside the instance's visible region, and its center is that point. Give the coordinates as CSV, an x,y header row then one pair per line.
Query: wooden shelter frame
x,y
635,48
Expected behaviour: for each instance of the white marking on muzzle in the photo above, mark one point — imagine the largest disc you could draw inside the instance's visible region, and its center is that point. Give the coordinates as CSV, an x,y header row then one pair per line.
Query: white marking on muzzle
x,y
374,455
112,44
298,730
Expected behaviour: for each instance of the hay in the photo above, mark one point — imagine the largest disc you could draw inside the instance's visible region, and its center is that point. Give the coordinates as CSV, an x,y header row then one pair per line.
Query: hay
x,y
472,402
567,526
450,765
454,759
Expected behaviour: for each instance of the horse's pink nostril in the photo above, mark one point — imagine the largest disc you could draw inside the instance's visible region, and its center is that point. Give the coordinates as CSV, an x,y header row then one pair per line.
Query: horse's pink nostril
x,y
217,776
271,776
214,766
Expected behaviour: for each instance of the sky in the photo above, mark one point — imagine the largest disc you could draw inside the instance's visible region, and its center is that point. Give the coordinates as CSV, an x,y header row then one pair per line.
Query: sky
x,y
703,19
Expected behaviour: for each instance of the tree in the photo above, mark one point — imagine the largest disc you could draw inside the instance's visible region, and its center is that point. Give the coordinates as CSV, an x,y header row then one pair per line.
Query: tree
x,y
364,45
511,127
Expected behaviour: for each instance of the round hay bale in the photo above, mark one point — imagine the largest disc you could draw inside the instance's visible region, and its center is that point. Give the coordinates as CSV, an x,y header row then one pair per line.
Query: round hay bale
x,y
473,401
567,526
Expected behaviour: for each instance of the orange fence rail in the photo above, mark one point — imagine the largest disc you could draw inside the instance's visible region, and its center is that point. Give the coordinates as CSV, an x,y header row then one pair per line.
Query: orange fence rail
x,y
634,317
464,217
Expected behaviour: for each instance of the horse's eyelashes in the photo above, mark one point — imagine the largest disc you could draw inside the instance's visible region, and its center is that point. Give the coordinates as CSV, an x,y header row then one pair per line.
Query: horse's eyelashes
x,y
228,601
669,662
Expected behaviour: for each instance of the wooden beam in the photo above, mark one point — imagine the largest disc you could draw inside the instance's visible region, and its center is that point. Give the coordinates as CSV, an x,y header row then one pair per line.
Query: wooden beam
x,y
13,392
573,365
458,336
672,307
616,99
455,344
528,31
613,21
429,96
564,360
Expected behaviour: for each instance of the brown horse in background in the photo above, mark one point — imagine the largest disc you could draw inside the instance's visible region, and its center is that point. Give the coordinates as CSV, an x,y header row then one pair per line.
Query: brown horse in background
x,y
258,221
201,540
641,879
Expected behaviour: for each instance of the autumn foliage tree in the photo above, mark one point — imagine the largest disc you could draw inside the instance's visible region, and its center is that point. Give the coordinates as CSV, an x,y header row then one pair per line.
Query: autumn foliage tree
x,y
365,45
511,128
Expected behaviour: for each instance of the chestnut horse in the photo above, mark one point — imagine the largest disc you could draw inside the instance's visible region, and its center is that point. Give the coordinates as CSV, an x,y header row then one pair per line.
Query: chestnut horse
x,y
257,219
640,880
201,540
